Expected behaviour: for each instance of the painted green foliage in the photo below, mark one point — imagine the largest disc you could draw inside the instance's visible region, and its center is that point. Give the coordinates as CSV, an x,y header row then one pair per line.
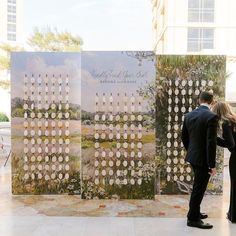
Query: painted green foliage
x,y
170,69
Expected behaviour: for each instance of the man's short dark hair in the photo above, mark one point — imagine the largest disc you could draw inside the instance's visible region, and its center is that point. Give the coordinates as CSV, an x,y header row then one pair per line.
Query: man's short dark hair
x,y
206,97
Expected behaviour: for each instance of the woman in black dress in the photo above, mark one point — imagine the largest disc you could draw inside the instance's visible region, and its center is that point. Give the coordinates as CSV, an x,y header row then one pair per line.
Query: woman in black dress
x,y
228,126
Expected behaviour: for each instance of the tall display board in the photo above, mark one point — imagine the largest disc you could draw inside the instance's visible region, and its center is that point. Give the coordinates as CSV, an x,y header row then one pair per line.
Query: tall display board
x,y
180,80
45,123
118,139
107,124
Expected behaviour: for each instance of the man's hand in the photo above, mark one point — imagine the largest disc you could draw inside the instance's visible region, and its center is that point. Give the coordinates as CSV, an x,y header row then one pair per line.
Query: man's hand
x,y
212,171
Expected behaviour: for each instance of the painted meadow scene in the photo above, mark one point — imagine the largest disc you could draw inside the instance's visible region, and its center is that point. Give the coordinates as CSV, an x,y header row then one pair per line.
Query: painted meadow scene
x,y
118,137
45,122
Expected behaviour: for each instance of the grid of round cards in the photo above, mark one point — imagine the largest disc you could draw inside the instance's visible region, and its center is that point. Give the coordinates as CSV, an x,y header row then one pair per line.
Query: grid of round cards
x,y
118,126
180,101
46,127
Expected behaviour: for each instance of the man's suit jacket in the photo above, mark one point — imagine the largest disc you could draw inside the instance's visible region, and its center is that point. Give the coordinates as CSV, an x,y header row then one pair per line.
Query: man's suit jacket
x,y
199,135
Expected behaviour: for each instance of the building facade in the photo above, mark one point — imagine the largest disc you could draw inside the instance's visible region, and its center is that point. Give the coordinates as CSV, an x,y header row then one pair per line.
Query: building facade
x,y
11,32
197,27
11,21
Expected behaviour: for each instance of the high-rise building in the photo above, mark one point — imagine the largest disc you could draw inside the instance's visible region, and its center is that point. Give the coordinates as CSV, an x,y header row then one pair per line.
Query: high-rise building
x,y
11,25
11,32
197,27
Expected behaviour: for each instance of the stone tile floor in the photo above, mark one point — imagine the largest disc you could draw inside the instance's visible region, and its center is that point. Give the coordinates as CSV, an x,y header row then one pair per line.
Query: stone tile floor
x,y
69,215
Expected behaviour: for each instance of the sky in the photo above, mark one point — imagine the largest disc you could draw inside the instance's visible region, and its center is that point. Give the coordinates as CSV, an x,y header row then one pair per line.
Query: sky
x,y
102,24
113,72
26,63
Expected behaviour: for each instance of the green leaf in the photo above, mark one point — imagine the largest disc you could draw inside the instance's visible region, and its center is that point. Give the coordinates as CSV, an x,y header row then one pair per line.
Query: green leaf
x,y
50,40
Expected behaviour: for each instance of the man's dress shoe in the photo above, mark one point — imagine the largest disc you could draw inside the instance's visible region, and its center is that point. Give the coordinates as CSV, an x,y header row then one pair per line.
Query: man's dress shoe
x,y
199,224
203,216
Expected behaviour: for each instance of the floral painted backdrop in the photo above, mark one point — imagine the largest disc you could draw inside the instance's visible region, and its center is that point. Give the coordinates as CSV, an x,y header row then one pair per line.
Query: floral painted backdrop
x,y
107,125
179,81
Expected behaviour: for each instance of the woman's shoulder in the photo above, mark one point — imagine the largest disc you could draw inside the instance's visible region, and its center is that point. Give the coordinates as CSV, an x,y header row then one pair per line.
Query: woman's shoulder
x,y
227,123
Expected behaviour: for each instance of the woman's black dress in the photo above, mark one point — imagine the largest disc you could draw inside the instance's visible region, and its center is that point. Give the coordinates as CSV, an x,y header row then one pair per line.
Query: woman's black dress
x,y
229,141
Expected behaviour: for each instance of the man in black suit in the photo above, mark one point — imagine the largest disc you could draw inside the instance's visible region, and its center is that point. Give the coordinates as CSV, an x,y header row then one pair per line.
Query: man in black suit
x,y
199,134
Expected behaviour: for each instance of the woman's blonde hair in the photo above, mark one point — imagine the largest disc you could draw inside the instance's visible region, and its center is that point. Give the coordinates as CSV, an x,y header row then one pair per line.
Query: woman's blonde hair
x,y
225,113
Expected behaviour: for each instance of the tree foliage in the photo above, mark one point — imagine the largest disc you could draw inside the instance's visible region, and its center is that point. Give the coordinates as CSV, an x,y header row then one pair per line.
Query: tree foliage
x,y
53,41
41,40
3,117
5,59
5,84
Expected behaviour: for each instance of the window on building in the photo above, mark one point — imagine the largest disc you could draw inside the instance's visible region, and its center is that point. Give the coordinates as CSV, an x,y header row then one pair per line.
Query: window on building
x,y
11,18
200,39
11,27
11,9
11,1
11,37
201,10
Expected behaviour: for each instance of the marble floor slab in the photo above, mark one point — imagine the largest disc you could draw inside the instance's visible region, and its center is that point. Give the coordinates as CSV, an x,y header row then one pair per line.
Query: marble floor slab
x,y
69,215
165,206
107,226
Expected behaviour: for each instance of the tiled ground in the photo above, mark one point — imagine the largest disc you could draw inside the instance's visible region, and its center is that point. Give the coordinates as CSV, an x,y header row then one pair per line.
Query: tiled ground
x,y
58,215
56,205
